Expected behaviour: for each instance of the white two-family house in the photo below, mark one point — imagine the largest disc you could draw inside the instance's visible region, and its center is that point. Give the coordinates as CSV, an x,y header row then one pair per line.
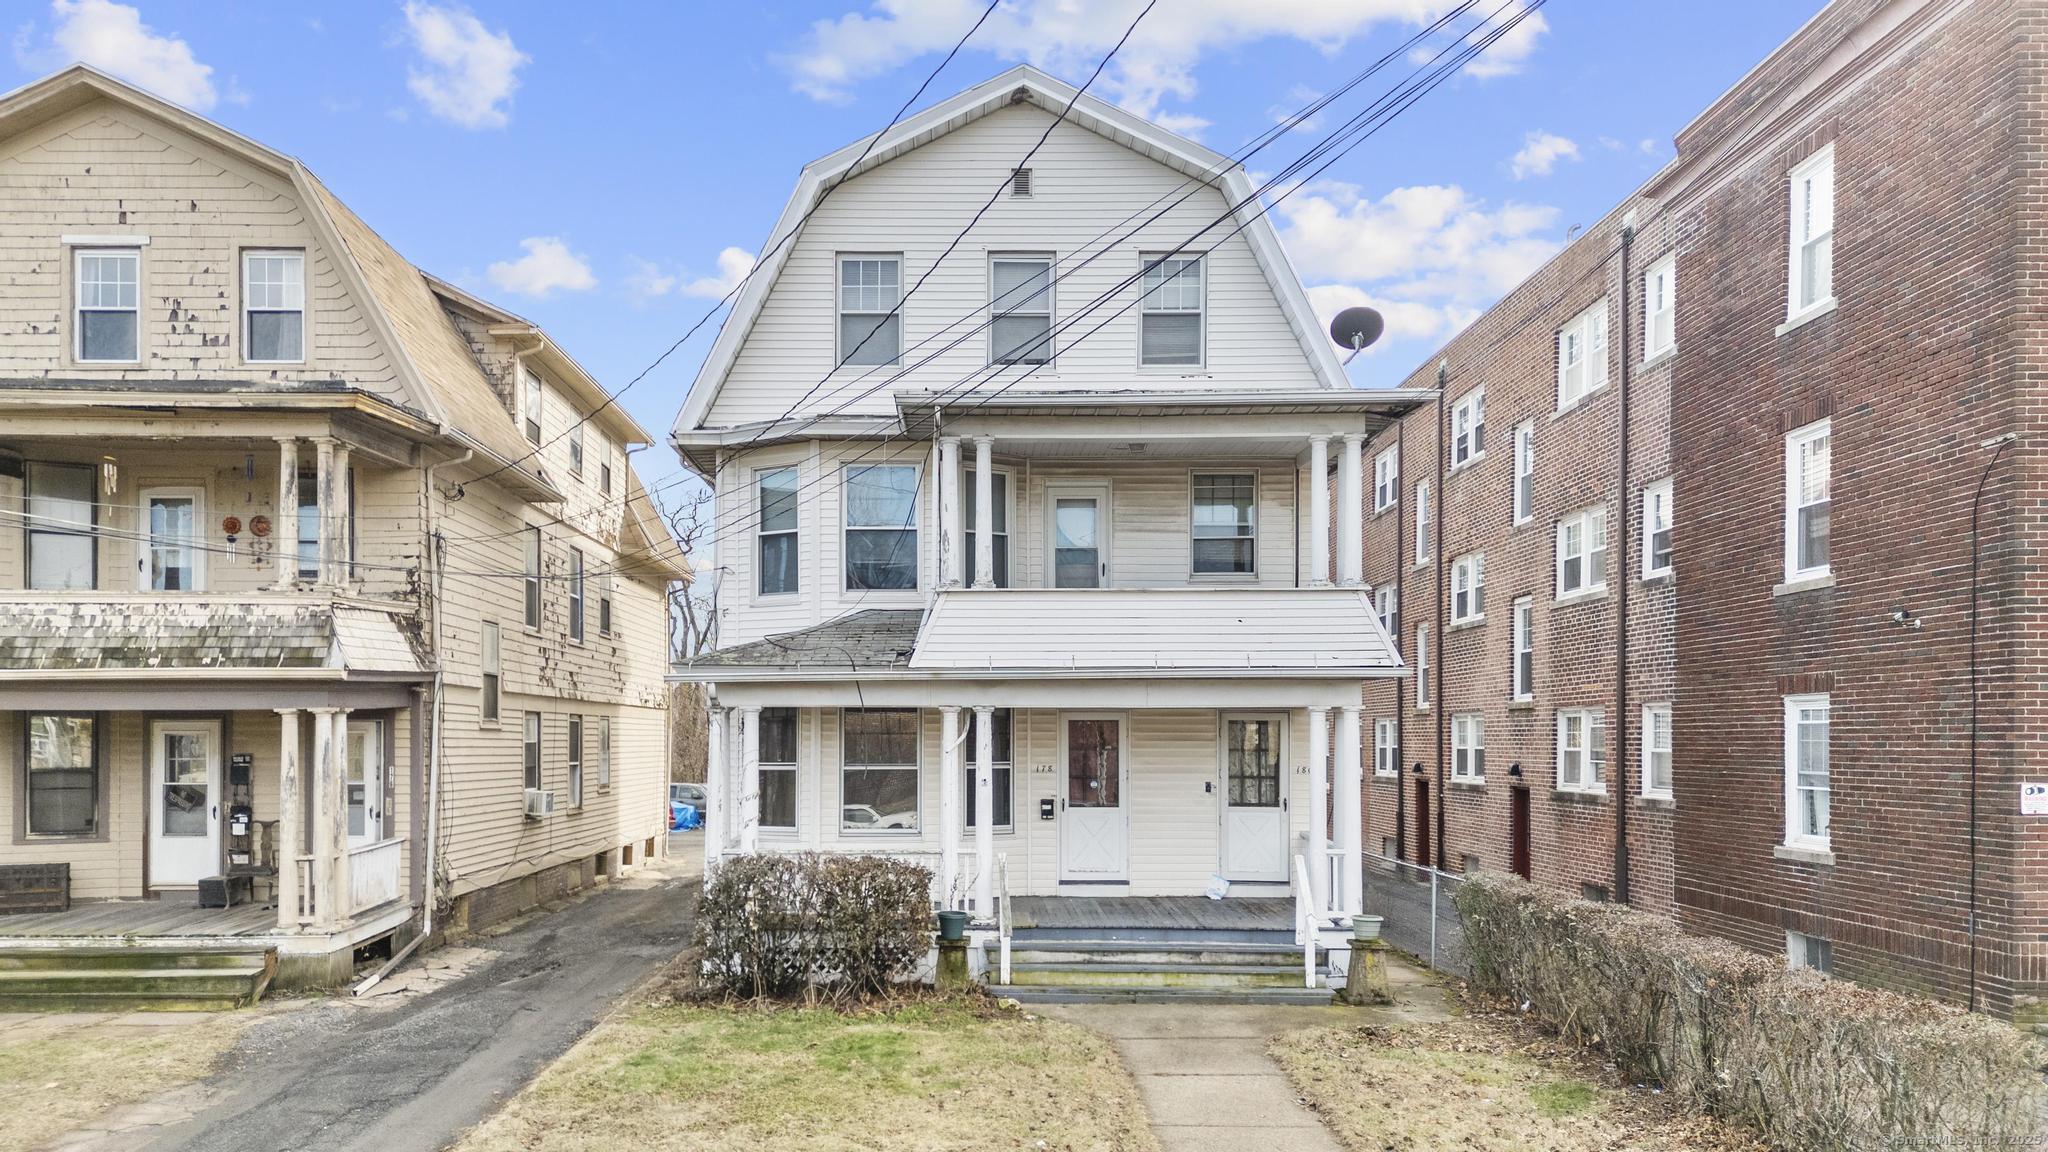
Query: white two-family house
x,y
1024,529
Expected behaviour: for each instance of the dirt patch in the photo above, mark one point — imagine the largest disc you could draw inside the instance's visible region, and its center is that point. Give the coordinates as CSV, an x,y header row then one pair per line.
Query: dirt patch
x,y
58,1074
1483,1082
927,1074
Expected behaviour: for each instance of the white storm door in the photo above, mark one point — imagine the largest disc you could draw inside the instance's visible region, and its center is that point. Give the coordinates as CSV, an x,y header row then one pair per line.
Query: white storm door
x,y
184,802
1095,826
1077,535
365,782
1254,799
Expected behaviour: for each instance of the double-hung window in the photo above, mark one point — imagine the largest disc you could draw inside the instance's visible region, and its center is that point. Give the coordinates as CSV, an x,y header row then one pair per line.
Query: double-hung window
x,y
532,404
1468,428
530,750
576,447
999,543
604,605
62,782
1386,478
999,772
1657,530
1225,535
881,526
1806,772
109,305
1386,747
1421,666
1582,356
604,479
1170,324
1020,309
878,777
604,753
1582,552
575,593
1657,751
274,307
870,309
1808,496
1522,670
1468,588
1386,602
778,769
492,660
1581,750
1660,288
1525,471
533,578
1468,747
1421,522
575,761
174,548
776,537
1812,259
62,503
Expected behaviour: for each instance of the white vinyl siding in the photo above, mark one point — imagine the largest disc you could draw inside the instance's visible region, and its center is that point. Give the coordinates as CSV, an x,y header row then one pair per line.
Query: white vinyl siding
x,y
1173,317
1806,772
1582,750
1808,501
1582,356
1582,553
1812,257
870,309
1657,530
107,311
1660,307
1525,472
1468,428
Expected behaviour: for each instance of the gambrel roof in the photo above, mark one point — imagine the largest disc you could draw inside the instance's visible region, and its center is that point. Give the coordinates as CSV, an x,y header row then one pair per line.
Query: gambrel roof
x,y
1026,85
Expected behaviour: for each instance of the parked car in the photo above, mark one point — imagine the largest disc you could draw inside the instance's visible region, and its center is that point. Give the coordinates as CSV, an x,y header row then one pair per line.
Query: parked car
x,y
687,794
863,816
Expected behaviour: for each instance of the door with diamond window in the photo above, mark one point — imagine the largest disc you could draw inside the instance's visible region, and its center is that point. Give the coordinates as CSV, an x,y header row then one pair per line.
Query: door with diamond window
x,y
1094,821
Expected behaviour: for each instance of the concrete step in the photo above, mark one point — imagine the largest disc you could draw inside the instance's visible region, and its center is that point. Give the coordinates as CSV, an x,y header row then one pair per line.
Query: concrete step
x,y
117,956
1043,994
1101,974
1156,935
1213,952
90,985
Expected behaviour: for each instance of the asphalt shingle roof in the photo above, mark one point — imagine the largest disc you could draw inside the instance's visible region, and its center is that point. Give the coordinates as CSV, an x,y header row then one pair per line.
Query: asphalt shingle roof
x,y
876,638
145,636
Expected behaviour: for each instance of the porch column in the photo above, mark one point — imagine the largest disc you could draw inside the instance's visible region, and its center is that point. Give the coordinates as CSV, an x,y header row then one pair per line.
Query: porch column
x,y
326,789
291,820
344,556
951,531
323,518
750,779
984,512
1350,801
714,794
1351,511
984,806
1319,806
1319,511
338,798
949,805
284,526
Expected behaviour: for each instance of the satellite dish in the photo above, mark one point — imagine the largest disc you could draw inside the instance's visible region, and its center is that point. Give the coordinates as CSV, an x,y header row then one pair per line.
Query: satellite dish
x,y
1355,328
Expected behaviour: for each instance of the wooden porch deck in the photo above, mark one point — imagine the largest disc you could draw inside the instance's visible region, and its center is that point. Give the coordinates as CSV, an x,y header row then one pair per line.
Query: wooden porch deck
x,y
174,917
1156,913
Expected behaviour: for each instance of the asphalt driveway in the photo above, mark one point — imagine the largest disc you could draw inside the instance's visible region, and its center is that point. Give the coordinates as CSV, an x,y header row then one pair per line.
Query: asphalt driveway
x,y
413,1075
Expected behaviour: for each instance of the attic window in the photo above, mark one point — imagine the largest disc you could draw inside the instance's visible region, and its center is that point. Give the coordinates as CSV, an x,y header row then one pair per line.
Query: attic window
x,y
1020,181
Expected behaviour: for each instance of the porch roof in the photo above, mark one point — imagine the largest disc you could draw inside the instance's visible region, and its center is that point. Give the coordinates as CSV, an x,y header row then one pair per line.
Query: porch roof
x,y
873,640
302,637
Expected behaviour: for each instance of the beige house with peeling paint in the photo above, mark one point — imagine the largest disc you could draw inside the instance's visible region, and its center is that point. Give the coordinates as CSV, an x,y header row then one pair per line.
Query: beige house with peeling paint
x,y
323,583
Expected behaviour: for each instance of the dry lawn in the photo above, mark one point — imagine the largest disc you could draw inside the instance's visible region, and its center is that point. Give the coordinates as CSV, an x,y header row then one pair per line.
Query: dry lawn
x,y
921,1075
1483,1082
58,1073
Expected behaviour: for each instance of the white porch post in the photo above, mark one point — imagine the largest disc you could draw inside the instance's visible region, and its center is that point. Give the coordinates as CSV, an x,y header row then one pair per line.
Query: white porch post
x,y
1319,806
338,866
323,518
1350,802
949,805
714,793
984,513
1319,511
750,779
284,526
951,532
326,789
1351,511
344,557
984,806
291,819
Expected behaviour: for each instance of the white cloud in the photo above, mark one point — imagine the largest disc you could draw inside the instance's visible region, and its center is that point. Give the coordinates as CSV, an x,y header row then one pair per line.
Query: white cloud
x,y
466,73
1505,56
647,280
1069,38
113,38
733,266
547,267
1540,153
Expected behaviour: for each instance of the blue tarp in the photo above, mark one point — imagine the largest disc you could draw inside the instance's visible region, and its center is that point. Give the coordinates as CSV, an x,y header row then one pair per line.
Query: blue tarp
x,y
683,817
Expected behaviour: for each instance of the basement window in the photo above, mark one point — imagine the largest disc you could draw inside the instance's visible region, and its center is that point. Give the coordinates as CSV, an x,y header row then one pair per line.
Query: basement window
x,y
1803,950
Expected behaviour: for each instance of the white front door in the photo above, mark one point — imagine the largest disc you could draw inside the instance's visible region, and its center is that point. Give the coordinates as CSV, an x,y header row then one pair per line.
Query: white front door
x,y
365,782
1254,799
1095,824
1077,530
184,802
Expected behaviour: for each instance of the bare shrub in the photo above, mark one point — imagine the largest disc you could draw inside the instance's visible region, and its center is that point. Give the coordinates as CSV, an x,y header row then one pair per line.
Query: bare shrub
x,y
779,925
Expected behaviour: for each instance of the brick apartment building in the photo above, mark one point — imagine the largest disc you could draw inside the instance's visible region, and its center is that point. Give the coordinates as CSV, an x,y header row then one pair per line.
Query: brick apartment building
x,y
1747,413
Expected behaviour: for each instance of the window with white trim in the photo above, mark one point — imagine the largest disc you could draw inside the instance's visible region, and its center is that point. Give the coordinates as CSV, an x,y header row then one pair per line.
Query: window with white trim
x,y
108,305
1582,356
1657,751
1582,552
1581,750
1225,525
1386,603
775,533
1805,951
575,762
604,753
999,511
493,674
1020,309
1386,747
1468,747
1170,324
1522,670
1809,491
533,578
1525,471
881,526
273,307
576,446
1806,771
1812,259
529,750
1421,667
1468,588
61,775
1468,428
63,509
1660,311
1386,479
1657,530
870,310
879,770
999,771
778,769
532,405
1421,522
576,594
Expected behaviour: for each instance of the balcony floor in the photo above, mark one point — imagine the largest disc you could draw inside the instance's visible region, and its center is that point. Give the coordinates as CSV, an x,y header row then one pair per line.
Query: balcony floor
x,y
175,916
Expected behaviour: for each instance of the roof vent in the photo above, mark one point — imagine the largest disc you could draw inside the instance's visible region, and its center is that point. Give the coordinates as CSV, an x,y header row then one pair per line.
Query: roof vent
x,y
1020,181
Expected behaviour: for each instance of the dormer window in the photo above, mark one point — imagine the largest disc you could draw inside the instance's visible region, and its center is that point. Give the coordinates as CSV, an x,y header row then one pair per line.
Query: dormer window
x,y
109,305
274,307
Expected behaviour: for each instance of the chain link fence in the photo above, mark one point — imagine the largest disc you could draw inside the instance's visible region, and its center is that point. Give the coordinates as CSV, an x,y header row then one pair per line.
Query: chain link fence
x,y
1420,909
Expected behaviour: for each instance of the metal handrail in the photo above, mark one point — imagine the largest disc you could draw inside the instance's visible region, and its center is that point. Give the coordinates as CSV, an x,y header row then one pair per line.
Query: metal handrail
x,y
1305,928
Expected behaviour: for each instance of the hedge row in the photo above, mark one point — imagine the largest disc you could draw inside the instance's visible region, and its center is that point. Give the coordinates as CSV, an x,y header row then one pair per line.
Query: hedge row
x,y
780,925
1808,1062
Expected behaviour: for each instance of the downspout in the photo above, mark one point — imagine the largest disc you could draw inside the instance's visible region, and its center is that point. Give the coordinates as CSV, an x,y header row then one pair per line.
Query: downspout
x,y
1441,580
1622,577
1401,602
1998,447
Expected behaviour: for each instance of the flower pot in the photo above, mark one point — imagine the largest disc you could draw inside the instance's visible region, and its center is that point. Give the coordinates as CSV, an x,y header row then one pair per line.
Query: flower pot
x,y
952,925
1364,928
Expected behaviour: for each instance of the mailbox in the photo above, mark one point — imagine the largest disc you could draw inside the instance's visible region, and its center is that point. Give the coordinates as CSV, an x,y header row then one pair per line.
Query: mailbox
x,y
1045,808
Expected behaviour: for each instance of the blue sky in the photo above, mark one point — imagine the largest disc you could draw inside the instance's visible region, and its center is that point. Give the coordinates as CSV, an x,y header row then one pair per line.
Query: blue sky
x,y
606,168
